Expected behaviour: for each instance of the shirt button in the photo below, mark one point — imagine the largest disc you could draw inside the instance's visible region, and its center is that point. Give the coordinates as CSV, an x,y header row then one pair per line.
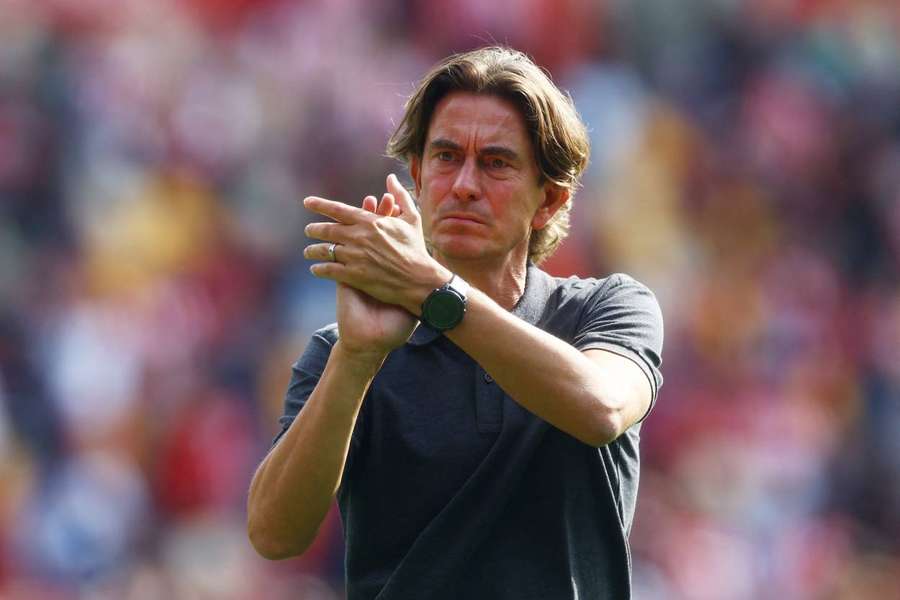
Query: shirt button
x,y
488,378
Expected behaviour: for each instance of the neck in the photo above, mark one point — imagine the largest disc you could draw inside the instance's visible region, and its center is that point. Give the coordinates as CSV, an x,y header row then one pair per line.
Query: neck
x,y
503,281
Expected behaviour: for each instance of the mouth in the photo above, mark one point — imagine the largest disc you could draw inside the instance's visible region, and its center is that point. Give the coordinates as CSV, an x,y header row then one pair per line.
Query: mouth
x,y
463,217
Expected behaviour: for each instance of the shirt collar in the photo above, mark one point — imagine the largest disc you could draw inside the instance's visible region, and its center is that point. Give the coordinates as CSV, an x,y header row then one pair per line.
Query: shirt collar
x,y
538,288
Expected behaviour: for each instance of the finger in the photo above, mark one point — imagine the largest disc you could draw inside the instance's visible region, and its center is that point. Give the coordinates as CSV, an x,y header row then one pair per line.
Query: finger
x,y
329,232
320,252
340,212
370,204
329,270
386,208
397,211
402,197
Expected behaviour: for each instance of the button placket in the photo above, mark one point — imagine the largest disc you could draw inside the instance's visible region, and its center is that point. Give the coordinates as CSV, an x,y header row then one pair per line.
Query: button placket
x,y
488,402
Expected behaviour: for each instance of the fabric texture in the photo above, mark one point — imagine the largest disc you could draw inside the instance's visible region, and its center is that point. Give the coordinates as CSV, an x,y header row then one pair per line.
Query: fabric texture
x,y
452,489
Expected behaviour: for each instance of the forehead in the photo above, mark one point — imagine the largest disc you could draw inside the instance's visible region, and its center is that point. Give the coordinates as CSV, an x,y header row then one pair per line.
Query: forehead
x,y
465,118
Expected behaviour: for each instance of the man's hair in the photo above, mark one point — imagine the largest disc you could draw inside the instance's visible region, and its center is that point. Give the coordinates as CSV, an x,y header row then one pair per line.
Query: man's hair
x,y
558,135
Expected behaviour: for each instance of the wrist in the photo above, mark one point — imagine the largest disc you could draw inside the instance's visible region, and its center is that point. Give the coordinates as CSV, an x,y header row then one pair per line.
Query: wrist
x,y
362,361
445,307
437,276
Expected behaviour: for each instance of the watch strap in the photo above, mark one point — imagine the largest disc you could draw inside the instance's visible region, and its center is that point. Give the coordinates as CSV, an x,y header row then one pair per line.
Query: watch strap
x,y
460,285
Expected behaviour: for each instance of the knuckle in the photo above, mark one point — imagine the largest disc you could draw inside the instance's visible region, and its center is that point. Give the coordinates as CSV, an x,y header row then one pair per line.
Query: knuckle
x,y
356,270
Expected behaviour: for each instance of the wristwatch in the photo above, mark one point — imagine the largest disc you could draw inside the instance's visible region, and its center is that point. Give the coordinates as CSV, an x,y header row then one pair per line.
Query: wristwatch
x,y
444,307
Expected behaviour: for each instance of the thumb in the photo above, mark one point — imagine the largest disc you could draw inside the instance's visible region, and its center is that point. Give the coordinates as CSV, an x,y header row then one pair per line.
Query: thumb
x,y
409,212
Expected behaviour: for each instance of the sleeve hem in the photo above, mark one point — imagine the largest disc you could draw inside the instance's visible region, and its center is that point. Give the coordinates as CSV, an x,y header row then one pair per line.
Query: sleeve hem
x,y
285,425
633,357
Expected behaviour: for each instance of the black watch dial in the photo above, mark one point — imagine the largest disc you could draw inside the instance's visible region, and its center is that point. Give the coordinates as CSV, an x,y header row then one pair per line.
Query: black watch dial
x,y
443,310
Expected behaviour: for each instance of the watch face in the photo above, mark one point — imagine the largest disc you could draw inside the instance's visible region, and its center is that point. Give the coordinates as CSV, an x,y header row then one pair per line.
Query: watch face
x,y
444,310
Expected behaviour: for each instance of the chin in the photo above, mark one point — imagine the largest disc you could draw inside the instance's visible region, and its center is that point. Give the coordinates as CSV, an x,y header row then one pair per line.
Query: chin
x,y
461,247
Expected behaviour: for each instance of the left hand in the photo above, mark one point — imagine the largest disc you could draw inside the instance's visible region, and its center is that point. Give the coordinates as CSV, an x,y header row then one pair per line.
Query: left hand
x,y
382,255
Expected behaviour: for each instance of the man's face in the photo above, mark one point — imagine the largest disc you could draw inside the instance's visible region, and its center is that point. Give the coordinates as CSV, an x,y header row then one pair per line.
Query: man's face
x,y
477,181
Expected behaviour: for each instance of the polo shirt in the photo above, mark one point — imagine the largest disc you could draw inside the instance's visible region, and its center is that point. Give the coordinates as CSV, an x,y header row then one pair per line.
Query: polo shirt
x,y
451,489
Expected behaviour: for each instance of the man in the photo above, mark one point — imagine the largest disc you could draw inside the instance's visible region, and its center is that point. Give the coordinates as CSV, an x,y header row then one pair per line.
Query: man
x,y
476,419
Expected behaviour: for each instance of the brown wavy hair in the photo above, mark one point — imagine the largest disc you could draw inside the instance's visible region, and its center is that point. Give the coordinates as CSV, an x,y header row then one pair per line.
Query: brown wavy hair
x,y
558,135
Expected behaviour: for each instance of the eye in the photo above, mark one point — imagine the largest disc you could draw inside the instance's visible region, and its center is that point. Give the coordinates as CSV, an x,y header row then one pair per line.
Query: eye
x,y
496,163
445,156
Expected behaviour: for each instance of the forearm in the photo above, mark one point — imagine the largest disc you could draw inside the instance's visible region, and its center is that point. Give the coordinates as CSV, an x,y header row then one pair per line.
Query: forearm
x,y
544,374
593,395
295,485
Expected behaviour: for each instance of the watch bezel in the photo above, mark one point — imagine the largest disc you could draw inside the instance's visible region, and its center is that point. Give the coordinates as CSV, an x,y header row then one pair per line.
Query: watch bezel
x,y
445,291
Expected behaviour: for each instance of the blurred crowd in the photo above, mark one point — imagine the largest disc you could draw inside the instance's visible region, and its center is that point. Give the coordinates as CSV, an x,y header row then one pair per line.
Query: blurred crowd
x,y
153,295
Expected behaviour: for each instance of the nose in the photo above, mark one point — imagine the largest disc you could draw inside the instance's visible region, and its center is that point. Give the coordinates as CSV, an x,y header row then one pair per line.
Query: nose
x,y
466,186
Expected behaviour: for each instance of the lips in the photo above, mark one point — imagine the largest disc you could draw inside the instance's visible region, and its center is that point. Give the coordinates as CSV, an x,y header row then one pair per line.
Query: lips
x,y
463,217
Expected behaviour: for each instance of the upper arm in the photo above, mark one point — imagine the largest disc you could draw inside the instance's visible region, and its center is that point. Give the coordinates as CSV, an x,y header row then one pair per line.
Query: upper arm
x,y
621,331
305,375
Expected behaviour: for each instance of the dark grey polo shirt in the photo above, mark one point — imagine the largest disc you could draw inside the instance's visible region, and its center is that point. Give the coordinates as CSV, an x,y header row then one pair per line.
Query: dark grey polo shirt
x,y
453,490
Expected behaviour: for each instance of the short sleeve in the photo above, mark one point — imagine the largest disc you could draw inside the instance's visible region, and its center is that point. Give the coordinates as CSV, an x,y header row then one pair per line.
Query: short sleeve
x,y
305,374
621,315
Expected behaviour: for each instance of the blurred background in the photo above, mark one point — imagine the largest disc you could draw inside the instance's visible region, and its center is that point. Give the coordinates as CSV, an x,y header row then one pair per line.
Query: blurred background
x,y
746,166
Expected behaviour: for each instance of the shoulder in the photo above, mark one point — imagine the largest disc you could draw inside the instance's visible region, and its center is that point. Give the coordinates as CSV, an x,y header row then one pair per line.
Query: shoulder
x,y
618,306
577,292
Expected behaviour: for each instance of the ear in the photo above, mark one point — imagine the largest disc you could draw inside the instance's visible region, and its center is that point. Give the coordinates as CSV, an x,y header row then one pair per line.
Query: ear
x,y
555,197
415,171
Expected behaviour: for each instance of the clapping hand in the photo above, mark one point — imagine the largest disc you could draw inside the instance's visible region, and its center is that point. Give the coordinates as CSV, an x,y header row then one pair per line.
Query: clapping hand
x,y
379,258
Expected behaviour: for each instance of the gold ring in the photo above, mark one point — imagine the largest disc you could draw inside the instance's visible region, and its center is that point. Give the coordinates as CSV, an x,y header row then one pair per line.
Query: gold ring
x,y
331,254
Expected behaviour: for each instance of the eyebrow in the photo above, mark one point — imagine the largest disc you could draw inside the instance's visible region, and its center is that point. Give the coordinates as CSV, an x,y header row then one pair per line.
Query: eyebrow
x,y
445,144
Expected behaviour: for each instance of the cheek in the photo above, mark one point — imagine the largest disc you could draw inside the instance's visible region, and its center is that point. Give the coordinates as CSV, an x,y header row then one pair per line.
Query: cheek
x,y
426,209
504,202
432,194
436,183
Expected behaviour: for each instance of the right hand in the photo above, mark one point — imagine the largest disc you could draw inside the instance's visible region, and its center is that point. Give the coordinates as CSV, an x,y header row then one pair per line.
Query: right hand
x,y
369,327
